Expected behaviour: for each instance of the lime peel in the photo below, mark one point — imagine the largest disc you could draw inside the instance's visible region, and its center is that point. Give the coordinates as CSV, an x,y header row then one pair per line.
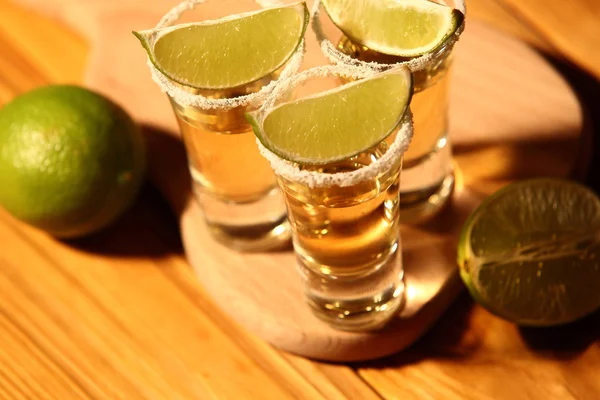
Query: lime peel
x,y
187,98
292,171
418,63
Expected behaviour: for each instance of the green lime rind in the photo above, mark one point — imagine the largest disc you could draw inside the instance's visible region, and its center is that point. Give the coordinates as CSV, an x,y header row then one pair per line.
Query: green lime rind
x,y
229,52
530,252
71,161
338,123
409,28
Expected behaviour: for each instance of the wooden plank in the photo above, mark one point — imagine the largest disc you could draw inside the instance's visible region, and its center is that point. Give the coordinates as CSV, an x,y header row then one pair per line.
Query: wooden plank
x,y
58,54
118,329
572,27
497,14
120,315
331,381
472,354
334,380
124,324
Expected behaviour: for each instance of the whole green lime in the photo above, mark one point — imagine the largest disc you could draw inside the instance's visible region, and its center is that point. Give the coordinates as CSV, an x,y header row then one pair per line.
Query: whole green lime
x,y
71,161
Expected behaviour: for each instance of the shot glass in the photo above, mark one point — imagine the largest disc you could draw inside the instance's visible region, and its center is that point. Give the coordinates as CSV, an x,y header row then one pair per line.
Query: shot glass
x,y
233,184
428,171
345,218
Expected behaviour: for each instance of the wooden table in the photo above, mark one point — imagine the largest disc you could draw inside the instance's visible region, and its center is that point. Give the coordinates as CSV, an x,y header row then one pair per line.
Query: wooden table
x,y
98,318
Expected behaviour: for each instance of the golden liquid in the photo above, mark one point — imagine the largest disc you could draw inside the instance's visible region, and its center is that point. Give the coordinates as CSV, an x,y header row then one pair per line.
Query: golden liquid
x,y
346,230
222,152
429,102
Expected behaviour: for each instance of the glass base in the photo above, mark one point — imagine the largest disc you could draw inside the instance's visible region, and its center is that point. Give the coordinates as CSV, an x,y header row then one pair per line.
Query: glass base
x,y
259,225
356,303
419,206
426,185
266,237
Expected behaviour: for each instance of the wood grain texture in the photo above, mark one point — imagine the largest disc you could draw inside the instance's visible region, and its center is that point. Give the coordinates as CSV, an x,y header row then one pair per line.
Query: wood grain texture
x,y
572,28
58,302
473,355
27,61
496,14
159,339
120,315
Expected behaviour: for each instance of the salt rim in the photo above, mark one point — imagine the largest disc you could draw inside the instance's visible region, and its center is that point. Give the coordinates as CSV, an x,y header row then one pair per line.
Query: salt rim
x,y
188,99
415,64
313,179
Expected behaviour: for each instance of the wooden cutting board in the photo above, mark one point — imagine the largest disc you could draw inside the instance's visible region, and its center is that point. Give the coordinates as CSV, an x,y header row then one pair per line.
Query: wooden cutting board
x,y
512,117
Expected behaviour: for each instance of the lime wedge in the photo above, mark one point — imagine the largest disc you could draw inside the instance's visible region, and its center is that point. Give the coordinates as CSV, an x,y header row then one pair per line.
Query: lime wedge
x,y
338,123
228,52
531,252
405,28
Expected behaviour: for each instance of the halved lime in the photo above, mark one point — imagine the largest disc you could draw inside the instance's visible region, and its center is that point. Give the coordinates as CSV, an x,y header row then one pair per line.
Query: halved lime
x,y
405,28
338,123
228,52
530,253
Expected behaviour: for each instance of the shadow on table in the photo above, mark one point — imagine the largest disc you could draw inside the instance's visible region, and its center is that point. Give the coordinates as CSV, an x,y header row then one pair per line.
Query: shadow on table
x,y
525,159
451,338
587,89
149,228
563,342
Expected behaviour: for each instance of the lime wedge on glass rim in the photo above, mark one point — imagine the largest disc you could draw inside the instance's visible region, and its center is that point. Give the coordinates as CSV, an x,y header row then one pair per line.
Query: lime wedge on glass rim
x,y
530,253
228,52
337,123
404,28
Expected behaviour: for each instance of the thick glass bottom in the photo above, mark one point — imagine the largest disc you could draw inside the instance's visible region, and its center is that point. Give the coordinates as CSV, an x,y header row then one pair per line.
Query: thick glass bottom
x,y
363,302
421,205
426,185
260,225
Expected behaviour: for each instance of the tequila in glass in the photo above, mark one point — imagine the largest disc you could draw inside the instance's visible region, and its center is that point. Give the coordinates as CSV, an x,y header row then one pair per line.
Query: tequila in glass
x,y
345,229
234,185
427,177
347,243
